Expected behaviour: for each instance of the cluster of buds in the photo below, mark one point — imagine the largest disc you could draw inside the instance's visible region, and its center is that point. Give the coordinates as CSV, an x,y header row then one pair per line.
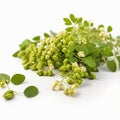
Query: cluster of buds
x,y
58,85
75,64
83,68
81,54
82,41
69,90
104,35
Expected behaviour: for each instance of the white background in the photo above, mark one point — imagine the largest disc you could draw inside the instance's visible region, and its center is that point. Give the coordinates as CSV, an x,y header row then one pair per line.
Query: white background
x,y
21,19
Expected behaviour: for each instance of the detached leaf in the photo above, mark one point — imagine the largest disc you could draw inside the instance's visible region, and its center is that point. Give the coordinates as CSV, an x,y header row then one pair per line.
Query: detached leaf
x,y
17,79
67,21
4,77
8,95
89,61
25,44
31,91
111,65
109,29
36,38
73,19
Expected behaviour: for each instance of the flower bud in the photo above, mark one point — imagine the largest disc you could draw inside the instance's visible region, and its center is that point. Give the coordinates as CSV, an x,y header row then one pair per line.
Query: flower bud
x,y
54,85
81,54
2,84
92,76
9,94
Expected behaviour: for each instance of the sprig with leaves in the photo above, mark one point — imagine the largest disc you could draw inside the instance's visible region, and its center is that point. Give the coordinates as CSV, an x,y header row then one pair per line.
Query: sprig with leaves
x,y
76,52
16,79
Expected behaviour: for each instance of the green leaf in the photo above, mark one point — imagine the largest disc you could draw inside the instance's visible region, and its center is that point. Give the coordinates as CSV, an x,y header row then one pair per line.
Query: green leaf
x,y
100,26
92,76
69,29
73,19
92,24
86,23
109,29
118,58
79,20
31,91
89,61
82,48
111,65
8,95
4,77
72,47
91,48
53,33
46,35
93,51
36,39
73,59
67,21
25,44
17,79
118,37
15,54
107,51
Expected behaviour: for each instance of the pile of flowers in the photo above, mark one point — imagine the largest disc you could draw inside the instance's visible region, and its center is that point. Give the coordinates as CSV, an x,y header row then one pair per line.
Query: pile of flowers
x,y
76,52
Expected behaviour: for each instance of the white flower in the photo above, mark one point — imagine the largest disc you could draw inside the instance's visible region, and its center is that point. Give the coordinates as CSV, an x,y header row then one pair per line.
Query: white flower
x,y
81,54
80,42
84,41
101,34
83,69
60,33
47,40
102,29
51,66
104,35
52,44
75,64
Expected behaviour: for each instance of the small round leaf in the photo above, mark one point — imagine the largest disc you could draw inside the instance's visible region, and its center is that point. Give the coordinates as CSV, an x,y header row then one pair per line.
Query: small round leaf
x,y
36,38
4,77
17,79
67,21
89,61
31,91
109,29
111,65
86,23
72,17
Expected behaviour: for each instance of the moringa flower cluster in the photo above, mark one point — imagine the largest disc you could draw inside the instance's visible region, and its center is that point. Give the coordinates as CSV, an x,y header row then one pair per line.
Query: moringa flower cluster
x,y
76,53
